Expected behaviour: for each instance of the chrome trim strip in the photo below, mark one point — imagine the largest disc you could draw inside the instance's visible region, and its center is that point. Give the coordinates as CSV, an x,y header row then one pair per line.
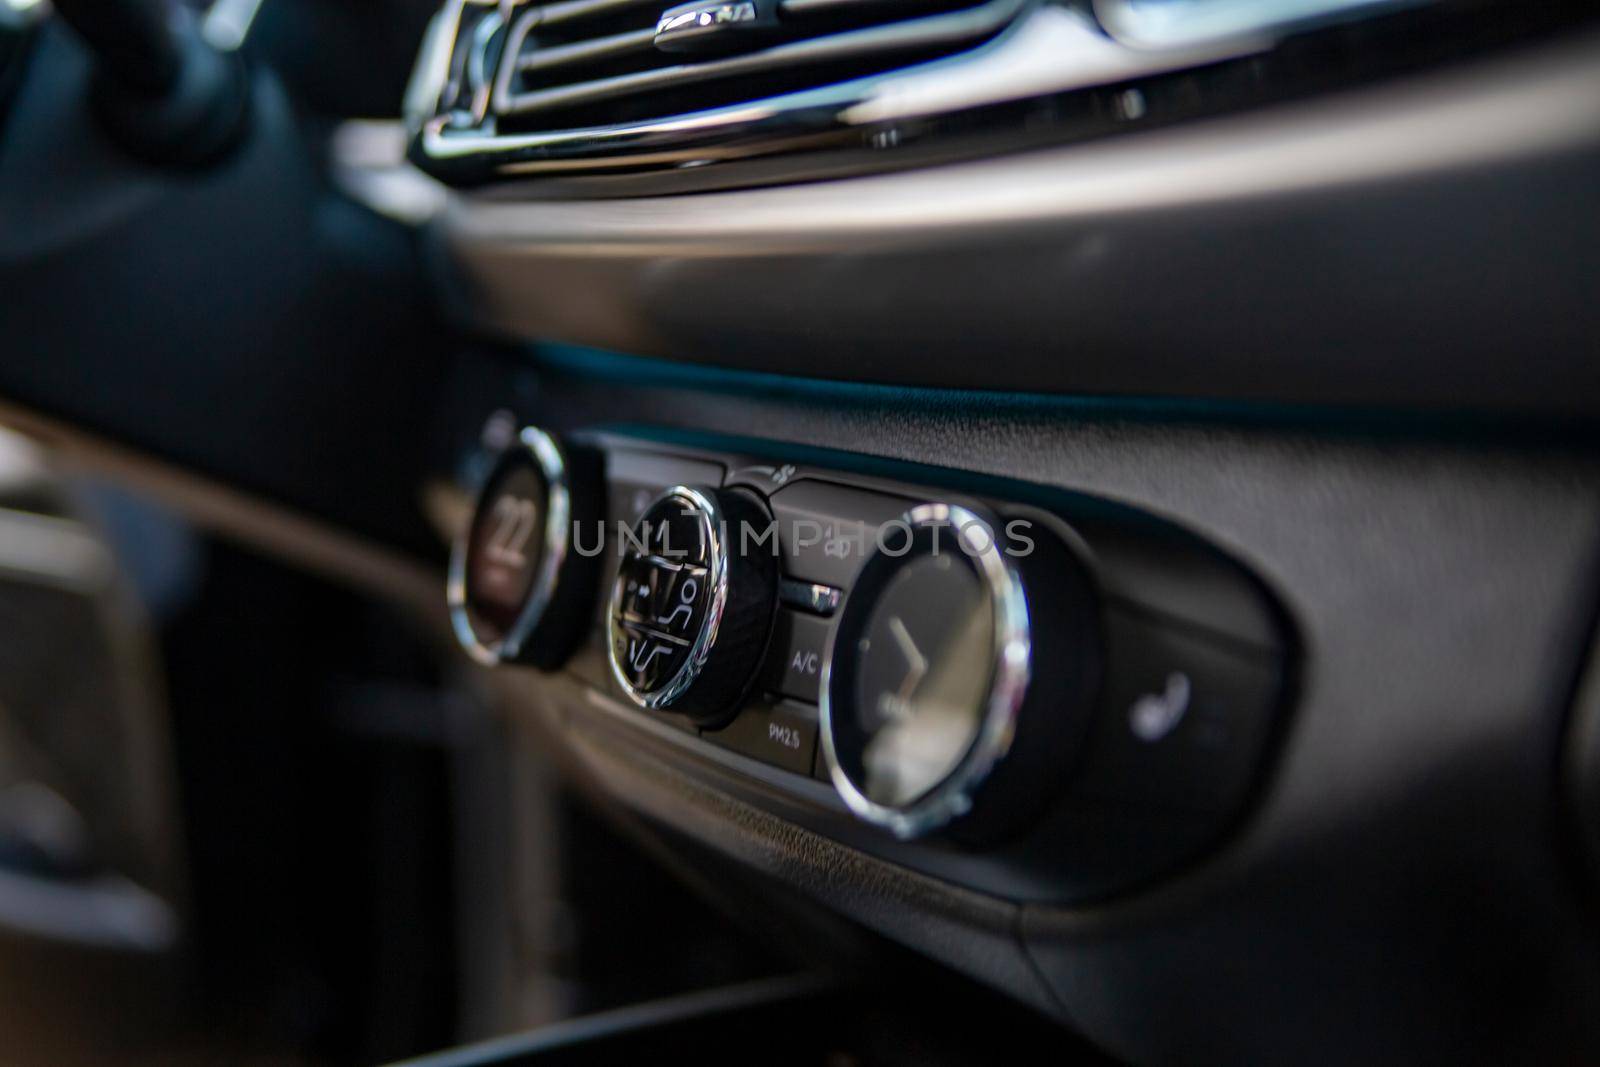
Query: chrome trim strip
x,y
1046,51
430,76
1543,101
1008,687
931,31
479,78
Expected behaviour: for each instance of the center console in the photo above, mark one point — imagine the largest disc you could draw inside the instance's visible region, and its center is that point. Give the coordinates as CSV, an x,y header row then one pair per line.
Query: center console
x,y
1024,691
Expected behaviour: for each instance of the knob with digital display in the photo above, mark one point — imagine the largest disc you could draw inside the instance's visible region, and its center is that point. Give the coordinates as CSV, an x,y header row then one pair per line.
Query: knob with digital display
x,y
692,608
958,683
518,592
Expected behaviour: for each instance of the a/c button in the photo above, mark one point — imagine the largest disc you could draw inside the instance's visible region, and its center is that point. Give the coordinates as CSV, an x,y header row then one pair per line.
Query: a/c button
x,y
794,662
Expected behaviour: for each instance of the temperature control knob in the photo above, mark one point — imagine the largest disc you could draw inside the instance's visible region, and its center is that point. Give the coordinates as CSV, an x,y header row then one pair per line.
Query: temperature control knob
x,y
518,590
959,680
693,602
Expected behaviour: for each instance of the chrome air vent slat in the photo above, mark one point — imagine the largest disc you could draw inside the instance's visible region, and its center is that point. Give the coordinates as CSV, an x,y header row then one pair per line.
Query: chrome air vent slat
x,y
563,68
615,87
546,60
882,42
824,89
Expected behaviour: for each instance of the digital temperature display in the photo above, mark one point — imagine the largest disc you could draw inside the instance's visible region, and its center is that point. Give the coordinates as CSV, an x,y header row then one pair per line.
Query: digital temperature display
x,y
506,544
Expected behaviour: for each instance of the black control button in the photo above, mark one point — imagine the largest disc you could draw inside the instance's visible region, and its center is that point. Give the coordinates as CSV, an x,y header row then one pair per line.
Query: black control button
x,y
690,614
663,594
1185,717
826,532
794,663
783,736
809,596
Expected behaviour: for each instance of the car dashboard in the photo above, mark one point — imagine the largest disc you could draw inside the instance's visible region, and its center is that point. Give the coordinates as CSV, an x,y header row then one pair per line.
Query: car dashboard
x,y
1098,498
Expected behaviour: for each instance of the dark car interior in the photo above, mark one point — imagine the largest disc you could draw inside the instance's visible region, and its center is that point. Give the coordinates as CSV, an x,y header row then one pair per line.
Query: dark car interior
x,y
799,531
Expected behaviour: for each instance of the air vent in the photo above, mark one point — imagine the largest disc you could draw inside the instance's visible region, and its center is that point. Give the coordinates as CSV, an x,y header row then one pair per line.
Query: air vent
x,y
631,97
581,63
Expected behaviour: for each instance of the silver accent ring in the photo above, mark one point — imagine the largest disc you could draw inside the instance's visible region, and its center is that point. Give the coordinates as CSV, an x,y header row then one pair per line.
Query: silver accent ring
x,y
951,798
533,443
705,640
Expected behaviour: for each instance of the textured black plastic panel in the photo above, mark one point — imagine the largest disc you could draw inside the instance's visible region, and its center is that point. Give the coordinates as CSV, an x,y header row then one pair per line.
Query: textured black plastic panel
x,y
1425,243
1405,866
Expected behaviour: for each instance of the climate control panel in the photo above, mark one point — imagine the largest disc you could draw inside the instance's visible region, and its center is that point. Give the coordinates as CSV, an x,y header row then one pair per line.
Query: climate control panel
x,y
1020,688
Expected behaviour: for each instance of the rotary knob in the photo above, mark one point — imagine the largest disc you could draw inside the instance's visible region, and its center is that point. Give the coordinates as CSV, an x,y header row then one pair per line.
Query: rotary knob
x,y
958,682
518,591
693,602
